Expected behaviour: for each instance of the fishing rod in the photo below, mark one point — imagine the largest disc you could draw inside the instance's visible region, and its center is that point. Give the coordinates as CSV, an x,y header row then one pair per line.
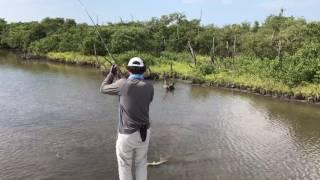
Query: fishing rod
x,y
96,28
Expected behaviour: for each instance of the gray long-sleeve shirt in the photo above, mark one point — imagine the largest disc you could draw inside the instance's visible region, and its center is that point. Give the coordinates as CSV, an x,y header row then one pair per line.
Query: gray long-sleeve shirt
x,y
135,98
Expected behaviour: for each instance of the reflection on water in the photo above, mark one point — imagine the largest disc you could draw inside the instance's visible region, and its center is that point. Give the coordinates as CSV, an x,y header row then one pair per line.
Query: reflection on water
x,y
54,124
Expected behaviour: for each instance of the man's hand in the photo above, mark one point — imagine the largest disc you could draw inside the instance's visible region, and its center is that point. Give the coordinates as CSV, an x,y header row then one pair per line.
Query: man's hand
x,y
114,69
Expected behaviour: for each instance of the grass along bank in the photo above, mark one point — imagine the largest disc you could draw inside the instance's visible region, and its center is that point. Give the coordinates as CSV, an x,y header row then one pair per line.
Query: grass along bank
x,y
251,74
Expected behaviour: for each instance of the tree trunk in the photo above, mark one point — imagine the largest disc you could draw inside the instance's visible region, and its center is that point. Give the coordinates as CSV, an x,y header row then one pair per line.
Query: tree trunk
x,y
192,53
212,51
279,53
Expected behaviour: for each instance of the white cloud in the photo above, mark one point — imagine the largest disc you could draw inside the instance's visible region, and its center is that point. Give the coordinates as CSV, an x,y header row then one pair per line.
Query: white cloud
x,y
225,2
191,1
291,4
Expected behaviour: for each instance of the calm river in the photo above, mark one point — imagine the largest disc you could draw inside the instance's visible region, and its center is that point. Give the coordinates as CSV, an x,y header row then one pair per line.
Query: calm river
x,y
54,124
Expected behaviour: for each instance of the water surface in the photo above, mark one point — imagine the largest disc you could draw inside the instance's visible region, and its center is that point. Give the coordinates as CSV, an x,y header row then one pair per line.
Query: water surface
x,y
54,124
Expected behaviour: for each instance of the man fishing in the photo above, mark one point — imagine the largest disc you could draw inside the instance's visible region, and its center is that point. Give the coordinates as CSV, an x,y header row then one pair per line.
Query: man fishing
x,y
135,95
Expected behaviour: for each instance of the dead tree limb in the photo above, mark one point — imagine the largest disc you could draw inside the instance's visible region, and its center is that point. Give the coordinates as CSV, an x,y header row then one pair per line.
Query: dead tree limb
x,y
234,46
200,21
212,52
234,49
280,53
171,69
192,53
227,47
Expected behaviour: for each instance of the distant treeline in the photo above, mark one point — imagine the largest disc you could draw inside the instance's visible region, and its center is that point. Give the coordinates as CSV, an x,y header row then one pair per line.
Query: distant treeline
x,y
285,49
168,33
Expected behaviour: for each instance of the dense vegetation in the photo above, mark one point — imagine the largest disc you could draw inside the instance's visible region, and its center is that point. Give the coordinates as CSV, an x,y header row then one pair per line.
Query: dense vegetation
x,y
280,55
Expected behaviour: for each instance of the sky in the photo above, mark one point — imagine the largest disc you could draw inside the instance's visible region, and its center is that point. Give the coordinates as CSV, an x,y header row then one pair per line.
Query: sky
x,y
217,12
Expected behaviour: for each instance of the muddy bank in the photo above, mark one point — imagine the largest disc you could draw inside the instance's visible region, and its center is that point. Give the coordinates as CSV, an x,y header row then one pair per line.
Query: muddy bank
x,y
263,92
298,97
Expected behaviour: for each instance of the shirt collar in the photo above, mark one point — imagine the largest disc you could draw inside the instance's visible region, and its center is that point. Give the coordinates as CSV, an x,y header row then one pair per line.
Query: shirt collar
x,y
136,76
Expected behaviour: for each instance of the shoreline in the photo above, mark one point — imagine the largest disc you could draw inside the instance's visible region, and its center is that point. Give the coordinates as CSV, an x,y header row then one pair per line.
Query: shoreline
x,y
189,80
195,81
273,96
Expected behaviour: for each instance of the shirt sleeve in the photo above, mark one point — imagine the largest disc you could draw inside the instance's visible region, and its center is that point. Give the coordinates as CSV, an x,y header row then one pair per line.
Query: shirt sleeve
x,y
110,87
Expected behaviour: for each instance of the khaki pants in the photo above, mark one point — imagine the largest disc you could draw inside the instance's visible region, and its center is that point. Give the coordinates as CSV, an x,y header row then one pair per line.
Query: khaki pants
x,y
129,147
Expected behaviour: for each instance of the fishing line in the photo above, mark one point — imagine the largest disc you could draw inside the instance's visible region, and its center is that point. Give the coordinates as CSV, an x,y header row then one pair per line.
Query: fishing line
x,y
96,28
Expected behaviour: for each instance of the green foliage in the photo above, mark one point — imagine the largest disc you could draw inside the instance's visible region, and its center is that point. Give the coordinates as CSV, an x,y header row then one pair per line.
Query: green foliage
x,y
3,26
124,58
45,45
316,77
173,56
74,58
206,69
255,62
168,33
303,65
129,38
